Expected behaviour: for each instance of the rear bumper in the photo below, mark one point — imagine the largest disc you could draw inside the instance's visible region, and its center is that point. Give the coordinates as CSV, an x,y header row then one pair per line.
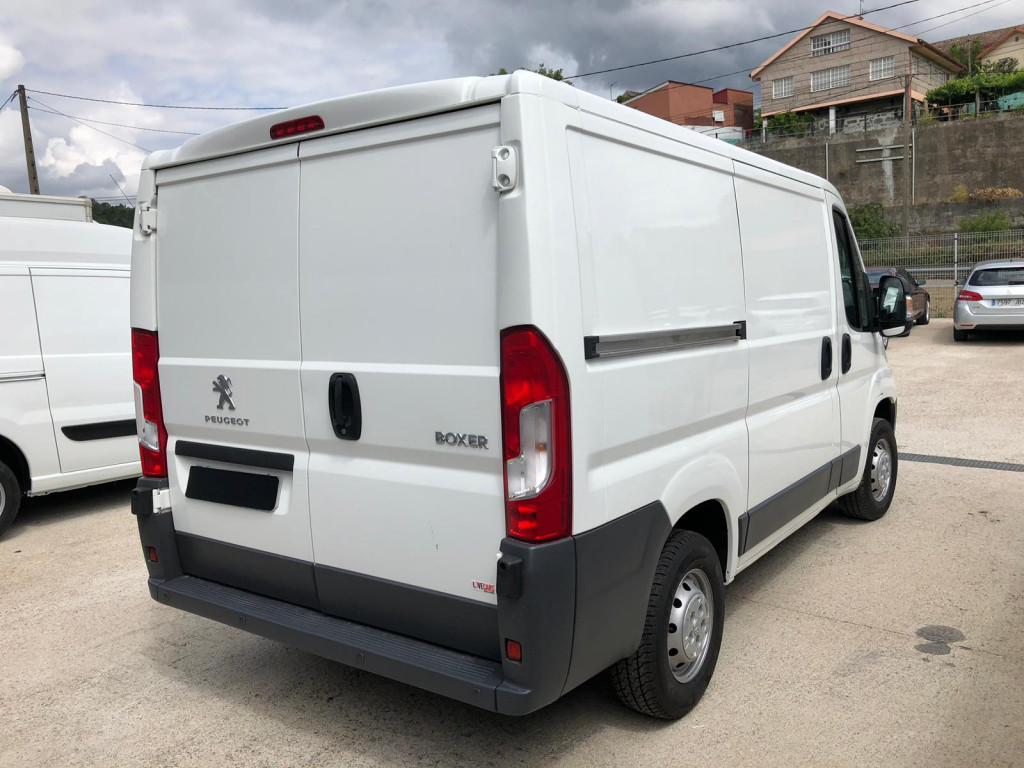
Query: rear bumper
x,y
576,606
966,320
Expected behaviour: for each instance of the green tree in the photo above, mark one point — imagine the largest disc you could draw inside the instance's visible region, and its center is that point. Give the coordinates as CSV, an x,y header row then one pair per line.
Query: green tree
x,y
554,74
969,55
990,85
869,222
118,215
790,123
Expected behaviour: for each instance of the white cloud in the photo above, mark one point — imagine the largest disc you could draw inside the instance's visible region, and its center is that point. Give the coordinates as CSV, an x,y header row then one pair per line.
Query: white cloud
x,y
264,52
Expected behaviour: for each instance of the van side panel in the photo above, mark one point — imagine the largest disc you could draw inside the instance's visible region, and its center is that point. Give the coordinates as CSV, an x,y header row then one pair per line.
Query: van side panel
x,y
793,416
227,306
398,257
24,408
83,329
659,251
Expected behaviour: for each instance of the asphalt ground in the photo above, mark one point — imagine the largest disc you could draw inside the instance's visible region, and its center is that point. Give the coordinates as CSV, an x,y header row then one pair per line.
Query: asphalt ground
x,y
894,643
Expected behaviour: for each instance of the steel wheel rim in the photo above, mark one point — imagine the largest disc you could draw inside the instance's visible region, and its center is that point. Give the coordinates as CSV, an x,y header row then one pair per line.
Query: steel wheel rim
x,y
881,470
690,624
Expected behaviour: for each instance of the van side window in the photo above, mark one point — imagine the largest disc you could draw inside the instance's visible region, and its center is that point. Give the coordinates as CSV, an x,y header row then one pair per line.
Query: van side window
x,y
854,299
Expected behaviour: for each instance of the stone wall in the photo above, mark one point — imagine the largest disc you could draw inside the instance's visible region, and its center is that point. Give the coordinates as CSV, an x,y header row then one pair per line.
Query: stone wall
x,y
931,218
987,152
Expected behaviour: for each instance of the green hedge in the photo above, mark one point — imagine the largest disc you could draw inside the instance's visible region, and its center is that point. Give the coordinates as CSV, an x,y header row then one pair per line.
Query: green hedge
x,y
991,86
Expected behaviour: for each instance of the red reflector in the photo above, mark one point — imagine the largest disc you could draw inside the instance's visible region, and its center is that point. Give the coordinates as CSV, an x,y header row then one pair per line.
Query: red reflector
x,y
153,438
513,650
535,394
293,127
152,555
969,296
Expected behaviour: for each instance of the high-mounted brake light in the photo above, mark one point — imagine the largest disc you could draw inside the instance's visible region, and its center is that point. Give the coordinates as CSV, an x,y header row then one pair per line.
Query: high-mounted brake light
x,y
536,437
966,295
149,414
293,127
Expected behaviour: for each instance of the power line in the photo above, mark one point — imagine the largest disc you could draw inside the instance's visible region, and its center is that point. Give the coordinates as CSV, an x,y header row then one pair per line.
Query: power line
x,y
903,26
118,125
91,127
954,21
158,106
811,55
726,47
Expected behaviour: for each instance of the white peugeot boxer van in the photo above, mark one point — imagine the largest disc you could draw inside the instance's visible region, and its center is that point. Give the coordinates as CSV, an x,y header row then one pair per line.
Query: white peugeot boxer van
x,y
66,413
488,385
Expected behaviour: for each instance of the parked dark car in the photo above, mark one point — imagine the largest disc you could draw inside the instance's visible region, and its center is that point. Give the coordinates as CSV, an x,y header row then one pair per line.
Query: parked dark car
x,y
919,301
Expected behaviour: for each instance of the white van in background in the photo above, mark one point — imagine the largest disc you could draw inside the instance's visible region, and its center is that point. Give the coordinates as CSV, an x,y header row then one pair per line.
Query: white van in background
x,y
66,411
489,384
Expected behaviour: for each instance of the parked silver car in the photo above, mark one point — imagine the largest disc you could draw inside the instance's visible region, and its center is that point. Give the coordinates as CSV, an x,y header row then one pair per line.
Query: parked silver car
x,y
991,300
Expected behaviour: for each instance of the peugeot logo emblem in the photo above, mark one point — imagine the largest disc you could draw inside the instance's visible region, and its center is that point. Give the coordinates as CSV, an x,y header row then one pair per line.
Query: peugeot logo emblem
x,y
222,384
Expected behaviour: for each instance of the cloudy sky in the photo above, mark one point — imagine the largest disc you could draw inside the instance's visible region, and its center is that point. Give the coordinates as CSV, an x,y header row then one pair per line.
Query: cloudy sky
x,y
238,53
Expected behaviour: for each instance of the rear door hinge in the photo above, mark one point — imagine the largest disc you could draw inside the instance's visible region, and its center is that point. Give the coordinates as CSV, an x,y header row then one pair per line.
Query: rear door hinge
x,y
504,168
147,219
161,499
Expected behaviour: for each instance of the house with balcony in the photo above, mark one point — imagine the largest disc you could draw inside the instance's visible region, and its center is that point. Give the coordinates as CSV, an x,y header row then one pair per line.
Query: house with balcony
x,y
850,75
697,105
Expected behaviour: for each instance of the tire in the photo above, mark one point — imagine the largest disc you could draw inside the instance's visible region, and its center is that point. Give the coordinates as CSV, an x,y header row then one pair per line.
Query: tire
x,y
689,574
959,335
10,497
871,499
927,316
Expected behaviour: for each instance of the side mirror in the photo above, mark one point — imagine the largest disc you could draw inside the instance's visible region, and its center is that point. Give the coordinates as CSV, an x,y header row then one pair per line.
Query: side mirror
x,y
959,282
892,306
922,281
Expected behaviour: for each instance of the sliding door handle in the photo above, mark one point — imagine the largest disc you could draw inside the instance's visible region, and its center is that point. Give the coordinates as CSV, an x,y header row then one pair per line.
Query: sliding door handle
x,y
826,358
847,353
343,401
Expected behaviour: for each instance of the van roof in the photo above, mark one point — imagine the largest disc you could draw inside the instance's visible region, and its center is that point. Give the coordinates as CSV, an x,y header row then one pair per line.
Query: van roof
x,y
44,243
362,110
44,207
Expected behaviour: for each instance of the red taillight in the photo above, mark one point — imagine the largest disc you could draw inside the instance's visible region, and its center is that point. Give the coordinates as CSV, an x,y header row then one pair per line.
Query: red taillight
x,y
152,433
513,650
293,127
536,436
153,556
966,295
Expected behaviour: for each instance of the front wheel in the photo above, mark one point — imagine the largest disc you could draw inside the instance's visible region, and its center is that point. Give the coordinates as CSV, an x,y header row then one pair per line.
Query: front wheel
x,y
10,497
872,498
671,669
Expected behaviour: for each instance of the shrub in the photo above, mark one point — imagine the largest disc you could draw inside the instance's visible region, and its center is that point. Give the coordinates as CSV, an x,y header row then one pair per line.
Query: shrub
x,y
991,194
989,85
790,123
959,194
869,222
994,221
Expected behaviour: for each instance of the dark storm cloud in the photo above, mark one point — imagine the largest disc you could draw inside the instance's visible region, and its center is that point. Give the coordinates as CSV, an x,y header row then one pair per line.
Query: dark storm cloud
x,y
590,36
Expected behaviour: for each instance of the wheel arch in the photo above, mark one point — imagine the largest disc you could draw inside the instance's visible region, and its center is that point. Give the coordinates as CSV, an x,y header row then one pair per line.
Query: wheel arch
x,y
13,457
886,409
709,519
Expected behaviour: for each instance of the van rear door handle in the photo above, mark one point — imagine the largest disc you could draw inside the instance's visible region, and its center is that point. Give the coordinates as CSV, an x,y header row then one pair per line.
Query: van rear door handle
x,y
343,401
826,358
847,353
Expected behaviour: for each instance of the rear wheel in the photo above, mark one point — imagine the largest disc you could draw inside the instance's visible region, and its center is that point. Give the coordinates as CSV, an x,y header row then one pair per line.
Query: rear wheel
x,y
959,335
873,496
10,497
927,316
682,633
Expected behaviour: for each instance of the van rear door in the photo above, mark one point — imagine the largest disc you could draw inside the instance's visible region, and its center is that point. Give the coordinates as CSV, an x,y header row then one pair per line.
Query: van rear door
x,y
228,325
397,264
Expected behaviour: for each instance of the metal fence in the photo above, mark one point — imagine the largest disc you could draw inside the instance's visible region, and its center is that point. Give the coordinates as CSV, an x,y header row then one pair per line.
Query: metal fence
x,y
941,260
1009,106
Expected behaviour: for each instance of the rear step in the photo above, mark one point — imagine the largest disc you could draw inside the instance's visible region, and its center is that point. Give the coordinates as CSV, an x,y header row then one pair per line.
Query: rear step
x,y
457,675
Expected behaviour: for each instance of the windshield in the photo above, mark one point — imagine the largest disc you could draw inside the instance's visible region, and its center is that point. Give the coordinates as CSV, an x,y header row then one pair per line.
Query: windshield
x,y
998,276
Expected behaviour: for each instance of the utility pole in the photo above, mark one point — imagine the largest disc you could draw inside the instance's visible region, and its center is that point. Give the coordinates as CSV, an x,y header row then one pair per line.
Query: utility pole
x,y
30,154
907,111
